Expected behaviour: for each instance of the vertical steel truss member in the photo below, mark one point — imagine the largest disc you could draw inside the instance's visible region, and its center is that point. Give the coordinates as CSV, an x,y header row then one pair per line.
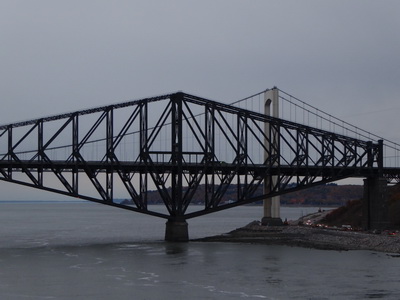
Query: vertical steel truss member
x,y
209,153
296,154
176,156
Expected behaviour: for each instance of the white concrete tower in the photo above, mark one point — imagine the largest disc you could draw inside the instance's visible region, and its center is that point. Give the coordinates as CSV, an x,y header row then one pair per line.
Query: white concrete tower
x,y
272,214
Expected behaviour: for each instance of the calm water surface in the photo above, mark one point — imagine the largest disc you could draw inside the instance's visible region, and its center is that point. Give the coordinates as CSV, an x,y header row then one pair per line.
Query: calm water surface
x,y
89,251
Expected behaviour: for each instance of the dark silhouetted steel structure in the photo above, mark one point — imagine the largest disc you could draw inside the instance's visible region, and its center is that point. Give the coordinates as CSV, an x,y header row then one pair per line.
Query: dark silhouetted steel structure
x,y
176,143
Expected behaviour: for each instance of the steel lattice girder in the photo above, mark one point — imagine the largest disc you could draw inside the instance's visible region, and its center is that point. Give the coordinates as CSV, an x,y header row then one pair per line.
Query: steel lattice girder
x,y
294,154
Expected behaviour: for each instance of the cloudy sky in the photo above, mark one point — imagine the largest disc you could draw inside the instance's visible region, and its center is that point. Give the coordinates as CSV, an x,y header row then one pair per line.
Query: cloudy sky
x,y
340,56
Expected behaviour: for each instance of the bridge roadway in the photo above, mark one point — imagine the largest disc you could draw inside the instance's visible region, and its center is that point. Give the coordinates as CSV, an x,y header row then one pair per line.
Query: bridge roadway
x,y
336,172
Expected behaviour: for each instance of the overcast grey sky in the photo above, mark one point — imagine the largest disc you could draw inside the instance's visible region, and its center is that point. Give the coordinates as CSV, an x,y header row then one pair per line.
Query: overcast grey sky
x,y
340,56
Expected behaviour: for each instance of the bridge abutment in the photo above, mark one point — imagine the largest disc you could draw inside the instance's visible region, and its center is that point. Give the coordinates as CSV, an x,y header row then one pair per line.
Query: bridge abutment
x,y
176,231
375,204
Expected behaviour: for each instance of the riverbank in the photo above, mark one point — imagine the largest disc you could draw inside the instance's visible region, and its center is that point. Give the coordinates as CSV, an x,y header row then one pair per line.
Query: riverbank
x,y
311,237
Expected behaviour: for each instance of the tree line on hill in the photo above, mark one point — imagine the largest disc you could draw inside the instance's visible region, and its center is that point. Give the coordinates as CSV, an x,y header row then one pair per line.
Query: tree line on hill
x,y
322,195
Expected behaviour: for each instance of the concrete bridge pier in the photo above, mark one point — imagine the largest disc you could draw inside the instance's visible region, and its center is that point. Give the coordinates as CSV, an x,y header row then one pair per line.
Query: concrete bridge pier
x,y
272,212
176,231
375,204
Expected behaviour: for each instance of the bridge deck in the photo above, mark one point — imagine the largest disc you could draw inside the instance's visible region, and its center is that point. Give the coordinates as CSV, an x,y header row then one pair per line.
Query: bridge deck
x,y
209,168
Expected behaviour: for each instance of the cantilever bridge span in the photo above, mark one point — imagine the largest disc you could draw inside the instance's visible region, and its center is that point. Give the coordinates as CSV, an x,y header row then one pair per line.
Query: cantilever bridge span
x,y
184,147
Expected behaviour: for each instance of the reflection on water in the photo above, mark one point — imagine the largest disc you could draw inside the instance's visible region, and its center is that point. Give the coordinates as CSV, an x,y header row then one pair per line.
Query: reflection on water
x,y
176,248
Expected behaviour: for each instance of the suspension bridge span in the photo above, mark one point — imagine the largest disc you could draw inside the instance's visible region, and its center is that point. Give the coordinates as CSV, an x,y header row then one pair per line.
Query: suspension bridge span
x,y
186,147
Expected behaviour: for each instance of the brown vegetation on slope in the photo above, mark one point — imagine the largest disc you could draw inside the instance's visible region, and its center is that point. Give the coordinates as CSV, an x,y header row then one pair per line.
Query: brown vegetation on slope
x,y
351,213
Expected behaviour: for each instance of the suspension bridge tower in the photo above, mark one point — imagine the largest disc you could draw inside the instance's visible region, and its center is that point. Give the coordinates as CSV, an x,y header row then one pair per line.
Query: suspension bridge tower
x,y
272,215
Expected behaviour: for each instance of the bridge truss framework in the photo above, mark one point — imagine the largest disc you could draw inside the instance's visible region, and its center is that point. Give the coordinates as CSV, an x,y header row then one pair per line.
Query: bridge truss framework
x,y
183,146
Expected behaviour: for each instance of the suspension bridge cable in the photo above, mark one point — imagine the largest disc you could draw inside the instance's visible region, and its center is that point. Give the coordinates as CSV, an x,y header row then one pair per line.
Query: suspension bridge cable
x,y
355,129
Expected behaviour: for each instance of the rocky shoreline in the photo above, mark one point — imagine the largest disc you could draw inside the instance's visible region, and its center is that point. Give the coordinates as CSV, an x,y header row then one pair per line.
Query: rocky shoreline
x,y
311,237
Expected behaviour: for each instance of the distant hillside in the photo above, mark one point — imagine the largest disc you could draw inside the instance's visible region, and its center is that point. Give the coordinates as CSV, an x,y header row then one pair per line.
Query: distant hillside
x,y
324,195
330,194
351,213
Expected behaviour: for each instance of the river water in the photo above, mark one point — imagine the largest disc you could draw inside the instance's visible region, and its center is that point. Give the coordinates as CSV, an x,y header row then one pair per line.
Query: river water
x,y
89,251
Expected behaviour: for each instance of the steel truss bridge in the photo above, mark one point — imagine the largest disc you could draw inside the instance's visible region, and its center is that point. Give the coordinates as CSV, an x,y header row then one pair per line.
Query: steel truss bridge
x,y
186,148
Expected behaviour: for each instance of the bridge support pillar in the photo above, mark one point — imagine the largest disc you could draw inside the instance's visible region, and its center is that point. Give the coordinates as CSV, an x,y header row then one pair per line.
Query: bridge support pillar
x,y
272,212
375,204
267,221
176,231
